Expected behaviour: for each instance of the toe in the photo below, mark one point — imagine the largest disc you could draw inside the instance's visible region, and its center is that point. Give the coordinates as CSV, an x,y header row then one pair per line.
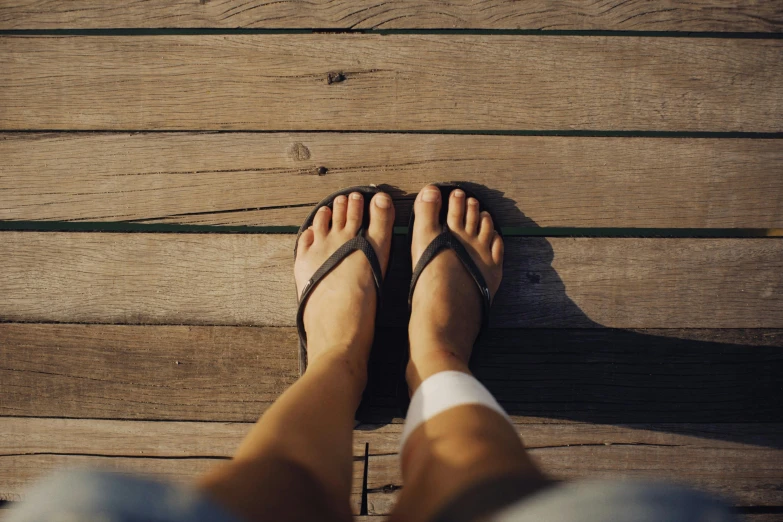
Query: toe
x,y
497,249
340,212
486,229
427,210
381,228
321,221
455,217
472,216
306,239
355,212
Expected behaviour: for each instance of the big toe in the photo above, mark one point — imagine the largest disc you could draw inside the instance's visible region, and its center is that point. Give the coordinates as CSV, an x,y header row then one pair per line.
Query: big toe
x,y
427,223
381,228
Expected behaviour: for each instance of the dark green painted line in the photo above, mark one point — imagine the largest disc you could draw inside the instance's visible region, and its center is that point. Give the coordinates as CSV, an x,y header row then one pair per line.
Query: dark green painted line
x,y
512,132
129,31
168,228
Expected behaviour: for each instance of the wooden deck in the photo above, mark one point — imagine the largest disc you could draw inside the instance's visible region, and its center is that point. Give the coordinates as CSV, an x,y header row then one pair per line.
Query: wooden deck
x,y
156,158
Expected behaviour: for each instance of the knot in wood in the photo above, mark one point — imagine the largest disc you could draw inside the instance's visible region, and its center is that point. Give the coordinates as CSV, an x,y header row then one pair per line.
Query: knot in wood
x,y
334,77
299,151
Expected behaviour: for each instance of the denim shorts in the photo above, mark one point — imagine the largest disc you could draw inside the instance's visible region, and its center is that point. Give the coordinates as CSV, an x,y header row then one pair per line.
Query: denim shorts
x,y
93,496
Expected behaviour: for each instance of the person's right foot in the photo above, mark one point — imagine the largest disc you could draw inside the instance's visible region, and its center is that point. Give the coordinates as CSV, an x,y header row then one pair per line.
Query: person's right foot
x,y
446,306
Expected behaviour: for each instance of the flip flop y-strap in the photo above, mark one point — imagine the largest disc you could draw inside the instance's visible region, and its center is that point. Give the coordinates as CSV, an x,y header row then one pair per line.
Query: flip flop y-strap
x,y
358,242
447,240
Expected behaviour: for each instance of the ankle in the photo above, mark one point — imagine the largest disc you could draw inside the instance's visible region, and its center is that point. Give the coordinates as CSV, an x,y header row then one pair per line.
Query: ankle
x,y
350,360
434,360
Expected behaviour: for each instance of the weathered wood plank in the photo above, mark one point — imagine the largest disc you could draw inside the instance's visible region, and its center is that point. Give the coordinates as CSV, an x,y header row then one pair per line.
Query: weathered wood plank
x,y
247,280
742,472
634,15
235,373
172,372
271,179
715,457
385,440
32,447
390,82
19,472
723,472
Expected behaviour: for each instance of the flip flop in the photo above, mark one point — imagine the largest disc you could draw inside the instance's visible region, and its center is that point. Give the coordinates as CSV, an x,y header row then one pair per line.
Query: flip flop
x,y
358,242
446,240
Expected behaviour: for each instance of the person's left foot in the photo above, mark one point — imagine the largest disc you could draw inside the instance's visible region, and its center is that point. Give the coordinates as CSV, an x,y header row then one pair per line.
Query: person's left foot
x,y
340,313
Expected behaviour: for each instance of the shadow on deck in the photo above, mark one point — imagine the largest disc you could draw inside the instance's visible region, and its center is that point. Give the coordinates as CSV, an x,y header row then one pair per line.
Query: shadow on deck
x,y
697,380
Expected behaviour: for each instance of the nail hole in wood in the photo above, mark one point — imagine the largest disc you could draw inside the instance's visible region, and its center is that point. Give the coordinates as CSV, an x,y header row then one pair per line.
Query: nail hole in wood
x,y
335,77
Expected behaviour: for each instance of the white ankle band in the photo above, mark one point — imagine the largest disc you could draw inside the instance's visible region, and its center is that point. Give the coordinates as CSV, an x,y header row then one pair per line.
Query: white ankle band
x,y
441,392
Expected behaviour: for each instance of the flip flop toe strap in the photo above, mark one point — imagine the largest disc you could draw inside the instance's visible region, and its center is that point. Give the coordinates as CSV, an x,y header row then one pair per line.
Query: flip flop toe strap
x,y
447,240
348,248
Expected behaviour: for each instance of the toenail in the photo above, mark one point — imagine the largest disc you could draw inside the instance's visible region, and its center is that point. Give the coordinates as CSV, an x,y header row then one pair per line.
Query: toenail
x,y
382,201
473,202
459,194
340,199
430,196
322,209
356,195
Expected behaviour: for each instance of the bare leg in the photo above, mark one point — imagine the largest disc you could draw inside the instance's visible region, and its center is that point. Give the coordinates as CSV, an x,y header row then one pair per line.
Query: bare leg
x,y
296,463
468,444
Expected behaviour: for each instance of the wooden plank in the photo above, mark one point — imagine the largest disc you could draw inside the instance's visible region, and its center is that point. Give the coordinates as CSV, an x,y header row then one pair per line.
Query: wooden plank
x,y
722,472
390,82
172,372
246,280
715,457
118,438
271,179
745,473
19,472
385,439
636,15
235,373
180,451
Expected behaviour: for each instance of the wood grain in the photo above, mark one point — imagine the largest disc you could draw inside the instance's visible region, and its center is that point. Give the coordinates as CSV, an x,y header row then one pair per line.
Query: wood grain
x,y
271,179
179,451
391,82
743,473
723,472
235,373
743,458
171,372
246,280
634,15
19,472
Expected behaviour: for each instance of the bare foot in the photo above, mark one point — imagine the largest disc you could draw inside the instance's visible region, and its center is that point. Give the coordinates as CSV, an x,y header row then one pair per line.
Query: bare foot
x,y
446,307
340,313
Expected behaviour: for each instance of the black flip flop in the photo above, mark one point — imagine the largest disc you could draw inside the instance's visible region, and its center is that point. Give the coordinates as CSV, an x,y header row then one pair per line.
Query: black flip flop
x,y
447,240
358,242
